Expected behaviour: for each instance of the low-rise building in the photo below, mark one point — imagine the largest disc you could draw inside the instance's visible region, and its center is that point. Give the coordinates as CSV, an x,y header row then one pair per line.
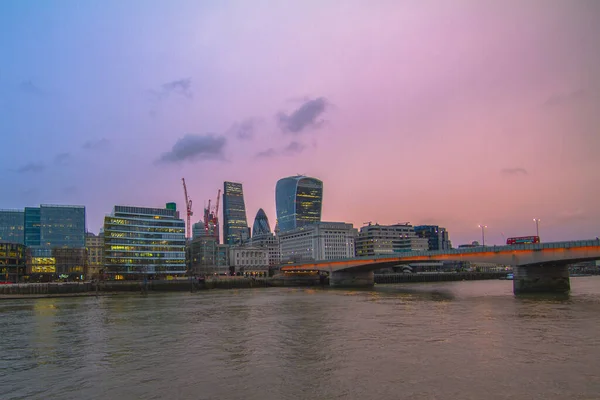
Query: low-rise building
x,y
95,248
271,243
12,262
317,242
376,240
437,237
249,260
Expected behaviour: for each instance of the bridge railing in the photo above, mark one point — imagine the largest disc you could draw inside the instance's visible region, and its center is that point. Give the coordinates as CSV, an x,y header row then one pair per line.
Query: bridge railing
x,y
468,250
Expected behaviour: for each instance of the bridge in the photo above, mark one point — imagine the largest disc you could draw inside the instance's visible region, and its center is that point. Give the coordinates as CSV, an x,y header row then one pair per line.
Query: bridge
x,y
536,267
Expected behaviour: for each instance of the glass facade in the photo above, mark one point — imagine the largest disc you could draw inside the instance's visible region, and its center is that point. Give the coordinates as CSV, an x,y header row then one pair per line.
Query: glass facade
x,y
12,226
436,236
235,224
261,224
62,226
299,201
33,232
143,241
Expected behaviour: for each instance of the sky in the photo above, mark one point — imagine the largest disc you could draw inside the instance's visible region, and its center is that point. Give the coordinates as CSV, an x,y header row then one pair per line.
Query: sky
x,y
456,113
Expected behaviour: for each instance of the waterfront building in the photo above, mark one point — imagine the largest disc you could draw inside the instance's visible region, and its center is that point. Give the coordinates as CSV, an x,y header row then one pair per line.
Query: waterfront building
x,y
437,237
298,200
375,240
12,262
32,226
204,256
142,241
271,243
235,224
12,226
249,260
318,242
95,247
261,224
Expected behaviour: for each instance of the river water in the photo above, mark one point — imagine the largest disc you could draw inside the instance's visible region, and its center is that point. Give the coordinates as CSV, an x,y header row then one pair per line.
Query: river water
x,y
452,340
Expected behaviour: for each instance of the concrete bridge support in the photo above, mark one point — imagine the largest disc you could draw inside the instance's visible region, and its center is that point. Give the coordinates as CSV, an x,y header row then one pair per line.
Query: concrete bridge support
x,y
352,279
541,278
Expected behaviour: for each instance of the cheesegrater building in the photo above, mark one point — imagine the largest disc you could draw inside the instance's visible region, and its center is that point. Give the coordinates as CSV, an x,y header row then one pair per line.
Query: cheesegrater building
x,y
298,200
140,241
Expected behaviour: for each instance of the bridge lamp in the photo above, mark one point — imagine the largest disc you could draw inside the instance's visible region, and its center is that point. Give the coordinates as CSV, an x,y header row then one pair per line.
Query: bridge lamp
x,y
483,234
537,226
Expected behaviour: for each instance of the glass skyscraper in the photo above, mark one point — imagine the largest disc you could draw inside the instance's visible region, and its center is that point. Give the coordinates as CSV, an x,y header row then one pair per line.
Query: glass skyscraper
x,y
261,224
235,224
33,232
52,226
298,200
142,241
12,226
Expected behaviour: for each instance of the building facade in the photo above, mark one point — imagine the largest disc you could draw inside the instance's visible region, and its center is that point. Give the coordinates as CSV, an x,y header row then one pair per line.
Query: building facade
x,y
318,242
271,243
261,224
375,240
437,237
249,260
142,241
299,201
12,262
95,247
235,224
12,226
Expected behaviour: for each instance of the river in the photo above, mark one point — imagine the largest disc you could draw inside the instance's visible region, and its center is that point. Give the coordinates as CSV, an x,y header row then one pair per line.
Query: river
x,y
451,340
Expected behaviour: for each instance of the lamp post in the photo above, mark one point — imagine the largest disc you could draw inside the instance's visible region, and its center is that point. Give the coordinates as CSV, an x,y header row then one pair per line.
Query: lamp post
x,y
537,226
483,234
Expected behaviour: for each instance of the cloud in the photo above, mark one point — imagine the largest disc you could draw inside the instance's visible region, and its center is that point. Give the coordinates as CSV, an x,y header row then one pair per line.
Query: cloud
x,y
304,117
182,87
266,153
514,171
62,158
96,144
244,130
30,88
31,167
576,96
572,215
194,147
294,148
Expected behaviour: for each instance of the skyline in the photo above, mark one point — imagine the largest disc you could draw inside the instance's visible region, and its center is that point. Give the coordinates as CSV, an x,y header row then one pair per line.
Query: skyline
x,y
473,114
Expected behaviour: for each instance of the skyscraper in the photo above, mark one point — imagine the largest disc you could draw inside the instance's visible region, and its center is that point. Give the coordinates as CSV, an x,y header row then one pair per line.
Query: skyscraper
x,y
261,224
298,200
235,225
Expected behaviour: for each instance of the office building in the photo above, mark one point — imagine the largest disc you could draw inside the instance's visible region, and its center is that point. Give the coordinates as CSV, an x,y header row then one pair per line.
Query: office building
x,y
271,243
298,200
249,260
12,262
33,231
12,226
95,248
142,241
235,224
51,226
205,256
437,237
261,224
376,240
318,242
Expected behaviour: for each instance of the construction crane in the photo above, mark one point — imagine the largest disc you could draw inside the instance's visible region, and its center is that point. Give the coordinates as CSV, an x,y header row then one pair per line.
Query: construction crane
x,y
188,206
216,217
207,217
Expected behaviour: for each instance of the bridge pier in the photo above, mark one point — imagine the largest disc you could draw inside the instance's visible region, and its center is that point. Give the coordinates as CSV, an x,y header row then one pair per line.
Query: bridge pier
x,y
541,278
352,279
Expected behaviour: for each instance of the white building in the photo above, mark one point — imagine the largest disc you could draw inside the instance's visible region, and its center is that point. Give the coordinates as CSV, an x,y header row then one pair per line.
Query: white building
x,y
375,239
249,260
271,243
319,241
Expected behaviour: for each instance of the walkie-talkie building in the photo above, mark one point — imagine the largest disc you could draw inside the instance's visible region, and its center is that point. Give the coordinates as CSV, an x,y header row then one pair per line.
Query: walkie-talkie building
x,y
235,225
299,201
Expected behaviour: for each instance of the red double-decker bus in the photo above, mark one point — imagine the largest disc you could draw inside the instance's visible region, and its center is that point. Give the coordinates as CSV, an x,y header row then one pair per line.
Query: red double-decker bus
x,y
523,240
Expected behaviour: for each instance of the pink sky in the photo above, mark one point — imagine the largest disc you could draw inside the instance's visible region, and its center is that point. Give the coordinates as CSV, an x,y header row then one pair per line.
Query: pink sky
x,y
452,113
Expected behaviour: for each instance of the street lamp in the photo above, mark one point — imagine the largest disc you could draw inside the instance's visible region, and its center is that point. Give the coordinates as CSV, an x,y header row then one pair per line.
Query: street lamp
x,y
483,234
537,226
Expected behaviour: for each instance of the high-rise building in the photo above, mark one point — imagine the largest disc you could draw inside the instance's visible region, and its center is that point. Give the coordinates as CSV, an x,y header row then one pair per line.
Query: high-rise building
x,y
142,241
33,231
12,226
317,242
437,237
235,224
375,239
261,224
298,200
